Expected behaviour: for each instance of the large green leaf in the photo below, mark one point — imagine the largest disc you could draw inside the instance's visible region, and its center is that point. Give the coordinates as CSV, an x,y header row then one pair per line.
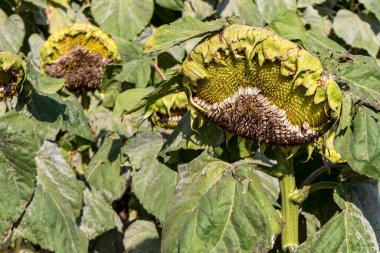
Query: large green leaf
x,y
312,224
270,9
318,42
129,99
270,185
345,119
290,26
122,18
359,33
154,182
313,19
167,36
98,216
166,88
346,232
372,6
36,42
12,32
316,35
62,112
60,17
64,3
103,122
27,124
175,5
43,83
17,174
219,208
365,195
136,72
188,136
111,241
305,3
361,73
246,10
360,143
200,9
104,170
50,219
141,237
110,88
41,3
129,50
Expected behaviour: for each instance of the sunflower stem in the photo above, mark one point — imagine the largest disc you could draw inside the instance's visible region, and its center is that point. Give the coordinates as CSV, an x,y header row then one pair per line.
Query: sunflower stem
x,y
289,209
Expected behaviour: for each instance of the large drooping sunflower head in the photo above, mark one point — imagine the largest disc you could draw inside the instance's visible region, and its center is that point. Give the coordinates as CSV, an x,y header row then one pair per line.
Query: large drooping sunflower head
x,y
260,86
167,111
79,54
12,74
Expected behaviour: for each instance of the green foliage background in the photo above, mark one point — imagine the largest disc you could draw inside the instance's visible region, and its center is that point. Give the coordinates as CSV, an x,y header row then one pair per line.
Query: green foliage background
x,y
77,176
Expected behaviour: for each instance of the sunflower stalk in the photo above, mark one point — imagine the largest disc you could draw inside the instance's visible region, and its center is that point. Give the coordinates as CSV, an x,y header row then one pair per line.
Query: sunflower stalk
x,y
255,84
289,209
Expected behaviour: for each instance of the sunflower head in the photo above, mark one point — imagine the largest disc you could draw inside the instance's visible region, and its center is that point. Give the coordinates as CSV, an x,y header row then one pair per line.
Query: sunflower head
x,y
260,86
12,74
167,111
79,54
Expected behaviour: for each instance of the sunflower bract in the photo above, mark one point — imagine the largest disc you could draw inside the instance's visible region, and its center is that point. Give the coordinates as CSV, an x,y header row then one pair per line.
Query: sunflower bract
x,y
167,111
258,85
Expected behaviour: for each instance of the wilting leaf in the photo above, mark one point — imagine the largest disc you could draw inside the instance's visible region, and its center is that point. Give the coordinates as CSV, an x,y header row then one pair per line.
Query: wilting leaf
x,y
154,182
347,232
50,219
360,73
360,144
17,174
12,32
270,9
305,3
141,236
136,72
43,83
59,112
129,99
185,136
167,36
175,5
246,10
122,18
372,6
198,9
104,170
28,125
98,216
359,33
219,208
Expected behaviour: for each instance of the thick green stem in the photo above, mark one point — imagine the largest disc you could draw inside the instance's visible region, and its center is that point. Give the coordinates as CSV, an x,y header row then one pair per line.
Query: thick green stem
x,y
289,209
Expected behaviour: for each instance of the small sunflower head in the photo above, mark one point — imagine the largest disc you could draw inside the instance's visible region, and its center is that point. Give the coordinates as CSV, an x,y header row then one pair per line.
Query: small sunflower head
x,y
167,111
79,54
260,86
12,74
